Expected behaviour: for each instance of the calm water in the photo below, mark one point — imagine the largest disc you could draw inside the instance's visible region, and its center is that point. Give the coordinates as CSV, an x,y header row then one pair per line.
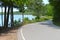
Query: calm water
x,y
18,17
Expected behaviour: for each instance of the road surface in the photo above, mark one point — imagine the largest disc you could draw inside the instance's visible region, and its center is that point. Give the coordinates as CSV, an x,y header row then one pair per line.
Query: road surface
x,y
39,31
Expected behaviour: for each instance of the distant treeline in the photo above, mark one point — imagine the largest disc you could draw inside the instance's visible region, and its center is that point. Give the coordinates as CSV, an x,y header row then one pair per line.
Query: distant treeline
x,y
17,13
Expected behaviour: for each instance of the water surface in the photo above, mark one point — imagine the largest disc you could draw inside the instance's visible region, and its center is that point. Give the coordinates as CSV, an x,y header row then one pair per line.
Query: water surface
x,y
17,17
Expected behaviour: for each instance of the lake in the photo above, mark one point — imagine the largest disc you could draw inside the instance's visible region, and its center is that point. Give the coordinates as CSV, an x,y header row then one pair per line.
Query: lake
x,y
17,17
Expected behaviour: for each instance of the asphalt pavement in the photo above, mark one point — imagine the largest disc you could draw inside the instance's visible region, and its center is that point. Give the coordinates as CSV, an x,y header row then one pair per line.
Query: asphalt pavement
x,y
39,31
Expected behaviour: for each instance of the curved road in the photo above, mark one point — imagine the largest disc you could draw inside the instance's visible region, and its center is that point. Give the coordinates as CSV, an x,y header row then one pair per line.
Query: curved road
x,y
39,31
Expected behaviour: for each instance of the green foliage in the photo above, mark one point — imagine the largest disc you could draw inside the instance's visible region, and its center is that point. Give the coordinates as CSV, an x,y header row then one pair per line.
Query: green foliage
x,y
37,19
17,23
56,5
49,10
26,20
36,7
44,18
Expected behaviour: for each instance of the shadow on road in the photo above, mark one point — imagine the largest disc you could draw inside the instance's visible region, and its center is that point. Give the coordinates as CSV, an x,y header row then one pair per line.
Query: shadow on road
x,y
49,24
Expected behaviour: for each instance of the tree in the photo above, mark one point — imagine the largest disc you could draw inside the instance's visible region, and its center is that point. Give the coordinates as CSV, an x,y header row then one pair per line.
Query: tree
x,y
20,4
56,5
11,8
48,10
5,5
36,6
9,4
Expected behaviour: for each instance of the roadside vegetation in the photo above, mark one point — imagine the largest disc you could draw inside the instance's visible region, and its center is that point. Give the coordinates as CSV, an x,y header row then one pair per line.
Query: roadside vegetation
x,y
36,8
56,11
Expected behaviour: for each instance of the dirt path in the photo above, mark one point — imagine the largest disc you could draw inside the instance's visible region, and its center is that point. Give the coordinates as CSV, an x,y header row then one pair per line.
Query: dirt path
x,y
9,36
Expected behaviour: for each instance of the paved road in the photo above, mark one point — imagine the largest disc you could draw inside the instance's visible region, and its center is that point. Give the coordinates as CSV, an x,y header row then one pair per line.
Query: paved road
x,y
39,31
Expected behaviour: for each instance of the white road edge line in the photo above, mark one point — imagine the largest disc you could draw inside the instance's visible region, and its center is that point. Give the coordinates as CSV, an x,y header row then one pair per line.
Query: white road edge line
x,y
22,35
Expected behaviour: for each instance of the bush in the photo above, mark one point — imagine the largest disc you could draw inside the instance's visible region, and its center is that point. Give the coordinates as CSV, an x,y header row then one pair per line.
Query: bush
x,y
26,21
17,23
37,19
44,18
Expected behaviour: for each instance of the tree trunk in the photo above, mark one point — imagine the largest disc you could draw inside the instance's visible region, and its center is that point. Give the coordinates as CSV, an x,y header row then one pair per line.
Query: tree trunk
x,y
8,16
12,24
5,18
22,11
22,17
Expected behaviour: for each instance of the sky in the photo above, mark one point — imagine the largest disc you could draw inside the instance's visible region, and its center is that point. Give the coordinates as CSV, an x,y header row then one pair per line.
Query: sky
x,y
45,2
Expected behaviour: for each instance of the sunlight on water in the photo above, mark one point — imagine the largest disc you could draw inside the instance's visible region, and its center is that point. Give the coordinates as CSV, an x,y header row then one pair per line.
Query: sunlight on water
x,y
18,17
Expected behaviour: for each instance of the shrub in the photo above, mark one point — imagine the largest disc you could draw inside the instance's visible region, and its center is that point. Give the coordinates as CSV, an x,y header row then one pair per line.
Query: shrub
x,y
26,20
44,18
17,23
37,19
